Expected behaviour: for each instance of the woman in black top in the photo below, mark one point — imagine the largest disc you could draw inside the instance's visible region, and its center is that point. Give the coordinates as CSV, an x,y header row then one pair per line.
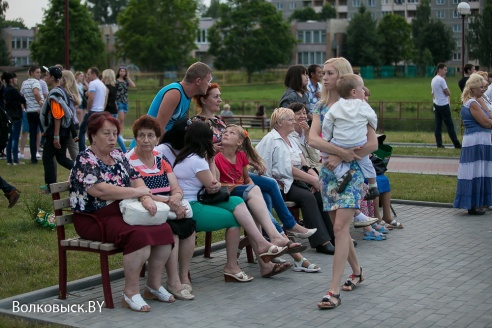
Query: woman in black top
x,y
109,79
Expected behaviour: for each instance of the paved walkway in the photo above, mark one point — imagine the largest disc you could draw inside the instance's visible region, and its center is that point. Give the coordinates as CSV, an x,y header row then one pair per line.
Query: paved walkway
x,y
433,273
424,165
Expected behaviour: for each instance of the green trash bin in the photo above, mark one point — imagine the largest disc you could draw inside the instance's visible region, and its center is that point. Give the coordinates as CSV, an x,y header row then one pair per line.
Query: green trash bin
x,y
411,71
367,72
384,152
429,71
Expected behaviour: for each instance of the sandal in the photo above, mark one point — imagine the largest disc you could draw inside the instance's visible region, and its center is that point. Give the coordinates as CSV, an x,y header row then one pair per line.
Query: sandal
x,y
382,229
294,249
396,225
136,303
303,235
298,266
373,235
327,303
162,295
349,284
184,294
277,269
269,255
241,276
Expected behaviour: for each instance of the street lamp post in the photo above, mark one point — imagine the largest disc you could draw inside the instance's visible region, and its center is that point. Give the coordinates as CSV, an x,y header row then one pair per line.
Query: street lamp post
x,y
67,36
463,10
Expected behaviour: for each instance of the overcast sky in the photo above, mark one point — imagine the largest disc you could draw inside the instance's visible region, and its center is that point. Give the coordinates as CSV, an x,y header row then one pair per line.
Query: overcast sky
x,y
32,10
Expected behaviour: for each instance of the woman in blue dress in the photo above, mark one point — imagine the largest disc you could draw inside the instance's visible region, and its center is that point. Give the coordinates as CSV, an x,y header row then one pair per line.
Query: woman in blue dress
x,y
474,190
341,207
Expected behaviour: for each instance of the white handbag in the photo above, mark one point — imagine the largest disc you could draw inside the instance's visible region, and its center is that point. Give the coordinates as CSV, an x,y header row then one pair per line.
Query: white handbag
x,y
188,213
135,214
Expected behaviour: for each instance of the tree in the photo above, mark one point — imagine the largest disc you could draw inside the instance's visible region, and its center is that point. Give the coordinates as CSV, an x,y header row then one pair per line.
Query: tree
x,y
396,41
363,40
304,14
327,12
213,9
18,22
4,53
157,34
106,11
431,34
479,39
250,34
86,45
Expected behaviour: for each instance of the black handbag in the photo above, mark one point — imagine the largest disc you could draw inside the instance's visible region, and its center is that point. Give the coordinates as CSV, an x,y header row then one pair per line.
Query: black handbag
x,y
379,165
209,199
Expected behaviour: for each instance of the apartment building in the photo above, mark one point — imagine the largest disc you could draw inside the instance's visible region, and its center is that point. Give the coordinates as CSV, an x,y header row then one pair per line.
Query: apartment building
x,y
18,42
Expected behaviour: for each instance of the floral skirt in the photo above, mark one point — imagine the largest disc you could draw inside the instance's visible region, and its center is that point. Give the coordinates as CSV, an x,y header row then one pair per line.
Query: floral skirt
x,y
352,195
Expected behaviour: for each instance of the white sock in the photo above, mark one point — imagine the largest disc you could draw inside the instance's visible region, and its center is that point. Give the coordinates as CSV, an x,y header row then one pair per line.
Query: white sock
x,y
373,185
360,217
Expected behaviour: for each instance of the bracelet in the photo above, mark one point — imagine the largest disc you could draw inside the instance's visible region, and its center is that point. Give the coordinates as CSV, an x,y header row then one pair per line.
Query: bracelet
x,y
56,137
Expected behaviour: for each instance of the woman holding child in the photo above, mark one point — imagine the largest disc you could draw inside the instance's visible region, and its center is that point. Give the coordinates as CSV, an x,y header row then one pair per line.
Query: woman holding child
x,y
341,206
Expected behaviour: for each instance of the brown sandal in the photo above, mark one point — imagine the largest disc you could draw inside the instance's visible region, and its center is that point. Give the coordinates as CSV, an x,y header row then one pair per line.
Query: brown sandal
x,y
326,302
349,284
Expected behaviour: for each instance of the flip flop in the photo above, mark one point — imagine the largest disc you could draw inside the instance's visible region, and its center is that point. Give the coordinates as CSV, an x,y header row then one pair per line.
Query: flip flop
x,y
295,249
277,269
268,256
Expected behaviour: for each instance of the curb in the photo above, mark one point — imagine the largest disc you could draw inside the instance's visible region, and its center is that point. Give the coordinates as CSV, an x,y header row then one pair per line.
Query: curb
x,y
31,297
421,203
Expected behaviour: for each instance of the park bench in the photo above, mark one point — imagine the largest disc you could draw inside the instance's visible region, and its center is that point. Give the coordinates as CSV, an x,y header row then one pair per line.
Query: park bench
x,y
247,121
64,218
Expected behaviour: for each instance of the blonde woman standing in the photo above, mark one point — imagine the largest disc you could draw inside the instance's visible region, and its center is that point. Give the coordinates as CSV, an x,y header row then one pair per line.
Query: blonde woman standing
x,y
70,85
110,105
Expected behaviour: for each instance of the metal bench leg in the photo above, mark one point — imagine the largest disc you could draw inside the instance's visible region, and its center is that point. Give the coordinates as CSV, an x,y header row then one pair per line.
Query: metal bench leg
x,y
62,274
106,281
208,244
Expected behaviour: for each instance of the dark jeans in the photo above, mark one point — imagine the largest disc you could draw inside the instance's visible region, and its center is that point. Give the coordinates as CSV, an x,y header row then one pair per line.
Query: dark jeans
x,y
34,123
60,155
13,143
443,113
312,214
5,186
83,130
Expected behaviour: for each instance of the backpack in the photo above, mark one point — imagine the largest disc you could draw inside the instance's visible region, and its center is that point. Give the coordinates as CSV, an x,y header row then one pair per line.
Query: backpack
x,y
5,127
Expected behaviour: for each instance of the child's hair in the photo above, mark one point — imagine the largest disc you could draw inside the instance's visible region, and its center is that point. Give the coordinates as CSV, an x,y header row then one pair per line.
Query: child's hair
x,y
247,147
346,83
108,77
198,140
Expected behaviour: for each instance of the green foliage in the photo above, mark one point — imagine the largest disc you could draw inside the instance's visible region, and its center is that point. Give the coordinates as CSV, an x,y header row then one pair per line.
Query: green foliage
x,y
86,46
106,11
18,22
431,34
304,14
327,12
479,39
250,34
363,40
158,34
4,54
213,9
396,43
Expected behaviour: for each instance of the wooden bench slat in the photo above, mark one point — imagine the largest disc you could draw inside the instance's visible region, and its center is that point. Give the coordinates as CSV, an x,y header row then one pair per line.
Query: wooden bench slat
x,y
62,220
95,245
107,247
61,203
59,187
66,242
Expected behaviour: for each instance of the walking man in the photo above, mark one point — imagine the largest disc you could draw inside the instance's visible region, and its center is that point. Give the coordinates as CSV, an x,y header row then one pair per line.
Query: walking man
x,y
95,101
442,110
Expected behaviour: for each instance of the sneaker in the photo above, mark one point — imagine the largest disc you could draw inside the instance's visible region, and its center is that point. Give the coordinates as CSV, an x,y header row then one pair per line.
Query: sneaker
x,y
343,181
3,156
21,156
19,163
364,223
372,193
9,163
38,155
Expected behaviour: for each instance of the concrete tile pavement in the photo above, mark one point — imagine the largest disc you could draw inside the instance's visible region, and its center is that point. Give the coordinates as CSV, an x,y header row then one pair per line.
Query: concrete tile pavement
x,y
433,273
424,165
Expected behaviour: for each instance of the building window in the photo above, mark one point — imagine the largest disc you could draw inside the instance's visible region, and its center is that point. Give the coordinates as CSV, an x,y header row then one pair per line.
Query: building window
x,y
107,38
311,57
292,6
371,3
440,14
455,2
457,56
385,2
413,1
202,36
455,14
355,3
280,6
456,28
440,2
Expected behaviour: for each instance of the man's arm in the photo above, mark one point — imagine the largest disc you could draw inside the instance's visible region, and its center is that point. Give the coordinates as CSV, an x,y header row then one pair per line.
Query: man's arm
x,y
168,105
90,100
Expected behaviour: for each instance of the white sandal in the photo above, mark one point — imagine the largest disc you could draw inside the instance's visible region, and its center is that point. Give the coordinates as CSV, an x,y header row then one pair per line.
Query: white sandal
x,y
162,295
136,303
299,268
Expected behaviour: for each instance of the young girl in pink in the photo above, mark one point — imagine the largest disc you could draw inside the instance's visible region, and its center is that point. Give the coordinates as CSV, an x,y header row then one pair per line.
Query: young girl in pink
x,y
232,164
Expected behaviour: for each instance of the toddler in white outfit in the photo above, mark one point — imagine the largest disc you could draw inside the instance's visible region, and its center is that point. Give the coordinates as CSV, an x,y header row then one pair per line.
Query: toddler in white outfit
x,y
345,126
